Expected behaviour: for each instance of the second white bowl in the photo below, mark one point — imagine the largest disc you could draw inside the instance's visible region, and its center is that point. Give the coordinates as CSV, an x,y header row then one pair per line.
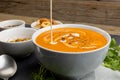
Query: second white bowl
x,y
16,49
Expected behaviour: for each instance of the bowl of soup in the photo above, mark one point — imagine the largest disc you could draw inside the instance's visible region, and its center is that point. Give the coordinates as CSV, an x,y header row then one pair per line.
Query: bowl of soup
x,y
74,50
17,42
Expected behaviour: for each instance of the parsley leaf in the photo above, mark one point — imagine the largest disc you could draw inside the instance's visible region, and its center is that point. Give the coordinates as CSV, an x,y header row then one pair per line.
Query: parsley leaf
x,y
43,74
112,59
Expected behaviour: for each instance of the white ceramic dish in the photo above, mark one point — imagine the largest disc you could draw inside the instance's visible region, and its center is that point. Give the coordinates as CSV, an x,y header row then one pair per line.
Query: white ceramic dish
x,y
16,49
103,73
72,64
15,23
35,23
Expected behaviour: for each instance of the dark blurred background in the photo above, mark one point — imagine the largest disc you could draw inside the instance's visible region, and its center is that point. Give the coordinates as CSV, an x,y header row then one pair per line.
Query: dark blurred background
x,y
91,11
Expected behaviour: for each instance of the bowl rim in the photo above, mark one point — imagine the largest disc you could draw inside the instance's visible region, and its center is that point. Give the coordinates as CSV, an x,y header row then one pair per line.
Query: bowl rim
x,y
18,29
12,20
38,32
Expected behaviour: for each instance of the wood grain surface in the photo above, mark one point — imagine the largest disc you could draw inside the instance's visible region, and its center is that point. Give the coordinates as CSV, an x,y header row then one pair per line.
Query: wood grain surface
x,y
115,30
90,11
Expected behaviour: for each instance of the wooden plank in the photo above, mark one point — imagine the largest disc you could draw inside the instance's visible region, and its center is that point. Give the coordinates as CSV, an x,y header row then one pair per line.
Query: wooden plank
x,y
93,11
115,30
113,13
111,0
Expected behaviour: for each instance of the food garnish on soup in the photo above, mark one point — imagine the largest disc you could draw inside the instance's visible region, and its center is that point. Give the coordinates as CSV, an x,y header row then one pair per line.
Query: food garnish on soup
x,y
72,40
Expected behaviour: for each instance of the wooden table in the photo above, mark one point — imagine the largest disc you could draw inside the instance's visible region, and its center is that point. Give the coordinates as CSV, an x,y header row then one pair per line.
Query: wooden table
x,y
30,64
115,30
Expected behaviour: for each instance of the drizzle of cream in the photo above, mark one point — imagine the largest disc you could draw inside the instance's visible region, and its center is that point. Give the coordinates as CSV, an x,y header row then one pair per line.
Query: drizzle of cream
x,y
53,43
70,37
88,47
76,34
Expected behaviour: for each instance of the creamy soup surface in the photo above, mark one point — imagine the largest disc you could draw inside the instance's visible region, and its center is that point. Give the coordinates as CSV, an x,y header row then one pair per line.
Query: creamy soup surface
x,y
72,40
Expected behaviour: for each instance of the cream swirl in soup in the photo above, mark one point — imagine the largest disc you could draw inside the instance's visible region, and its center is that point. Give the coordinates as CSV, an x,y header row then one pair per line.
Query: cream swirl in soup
x,y
72,40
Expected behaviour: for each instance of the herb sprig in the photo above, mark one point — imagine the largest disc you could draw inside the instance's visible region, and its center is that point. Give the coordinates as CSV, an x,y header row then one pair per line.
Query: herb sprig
x,y
112,59
43,74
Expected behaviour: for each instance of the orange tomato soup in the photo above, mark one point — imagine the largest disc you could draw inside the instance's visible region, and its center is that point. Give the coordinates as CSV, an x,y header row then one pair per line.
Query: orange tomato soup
x,y
72,40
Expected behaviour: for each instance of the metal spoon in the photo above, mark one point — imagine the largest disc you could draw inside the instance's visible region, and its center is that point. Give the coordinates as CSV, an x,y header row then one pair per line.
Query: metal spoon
x,y
8,66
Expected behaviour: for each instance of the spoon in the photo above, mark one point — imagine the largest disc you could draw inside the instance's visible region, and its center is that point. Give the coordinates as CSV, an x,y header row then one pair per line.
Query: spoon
x,y
8,66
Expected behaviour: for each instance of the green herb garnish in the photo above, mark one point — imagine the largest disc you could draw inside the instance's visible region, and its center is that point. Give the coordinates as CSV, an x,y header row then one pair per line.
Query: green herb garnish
x,y
112,59
43,74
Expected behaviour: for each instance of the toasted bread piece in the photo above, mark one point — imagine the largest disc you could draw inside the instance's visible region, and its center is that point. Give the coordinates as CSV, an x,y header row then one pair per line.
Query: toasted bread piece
x,y
43,22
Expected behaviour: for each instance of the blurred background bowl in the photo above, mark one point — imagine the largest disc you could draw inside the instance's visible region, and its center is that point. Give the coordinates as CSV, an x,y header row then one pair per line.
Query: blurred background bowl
x,y
7,24
35,23
17,49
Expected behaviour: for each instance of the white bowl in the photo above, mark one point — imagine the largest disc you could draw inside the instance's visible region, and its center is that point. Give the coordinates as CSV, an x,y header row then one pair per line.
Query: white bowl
x,y
16,49
72,64
7,23
35,23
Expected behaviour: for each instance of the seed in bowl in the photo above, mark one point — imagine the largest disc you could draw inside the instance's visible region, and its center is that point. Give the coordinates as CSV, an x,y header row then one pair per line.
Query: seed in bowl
x,y
19,40
43,22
